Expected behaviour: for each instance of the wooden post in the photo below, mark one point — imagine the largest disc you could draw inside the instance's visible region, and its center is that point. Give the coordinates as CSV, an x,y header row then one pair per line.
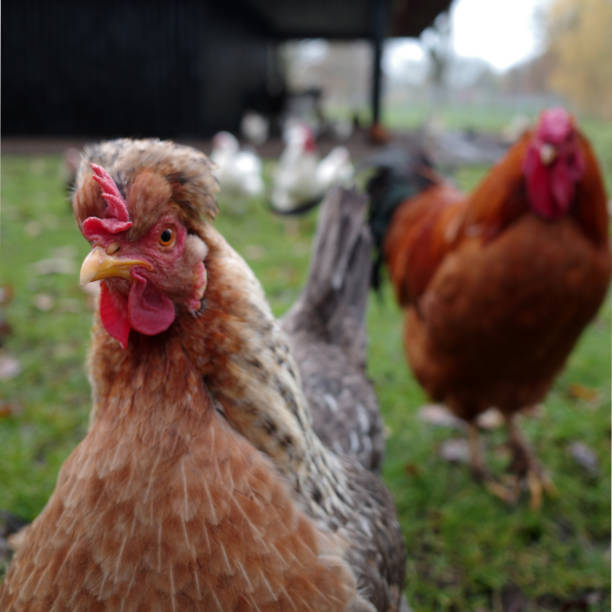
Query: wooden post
x,y
379,21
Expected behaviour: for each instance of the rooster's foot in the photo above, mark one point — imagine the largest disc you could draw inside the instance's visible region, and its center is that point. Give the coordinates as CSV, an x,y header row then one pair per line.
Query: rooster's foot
x,y
527,468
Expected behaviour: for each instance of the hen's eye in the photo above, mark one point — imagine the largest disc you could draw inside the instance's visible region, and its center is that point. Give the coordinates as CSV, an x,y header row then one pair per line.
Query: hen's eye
x,y
166,238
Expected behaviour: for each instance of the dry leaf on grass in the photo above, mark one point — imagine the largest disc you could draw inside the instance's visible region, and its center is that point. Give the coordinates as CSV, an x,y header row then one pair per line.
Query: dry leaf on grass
x,y
578,391
44,301
9,366
55,265
254,252
455,450
33,228
584,457
70,305
7,292
8,409
440,416
490,419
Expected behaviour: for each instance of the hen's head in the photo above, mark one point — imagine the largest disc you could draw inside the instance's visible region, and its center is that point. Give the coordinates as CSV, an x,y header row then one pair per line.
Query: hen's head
x,y
142,205
554,164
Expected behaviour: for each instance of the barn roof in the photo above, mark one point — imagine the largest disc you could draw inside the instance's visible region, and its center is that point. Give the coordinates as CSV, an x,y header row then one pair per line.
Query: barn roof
x,y
339,19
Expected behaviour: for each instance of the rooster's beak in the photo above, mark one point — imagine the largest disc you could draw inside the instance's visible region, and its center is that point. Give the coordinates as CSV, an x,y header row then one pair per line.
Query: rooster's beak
x,y
99,264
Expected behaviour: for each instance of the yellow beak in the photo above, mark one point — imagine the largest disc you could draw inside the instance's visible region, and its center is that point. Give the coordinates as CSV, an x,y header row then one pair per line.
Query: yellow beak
x,y
99,264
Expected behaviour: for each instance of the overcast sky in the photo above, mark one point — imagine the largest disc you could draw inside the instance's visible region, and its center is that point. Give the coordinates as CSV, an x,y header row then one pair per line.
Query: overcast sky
x,y
501,32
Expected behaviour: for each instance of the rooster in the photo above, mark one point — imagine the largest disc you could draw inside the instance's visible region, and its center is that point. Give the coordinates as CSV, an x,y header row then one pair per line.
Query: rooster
x,y
498,285
201,483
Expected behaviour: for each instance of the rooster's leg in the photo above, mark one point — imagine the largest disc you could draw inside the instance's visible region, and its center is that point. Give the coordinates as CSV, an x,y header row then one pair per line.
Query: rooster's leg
x,y
526,466
480,471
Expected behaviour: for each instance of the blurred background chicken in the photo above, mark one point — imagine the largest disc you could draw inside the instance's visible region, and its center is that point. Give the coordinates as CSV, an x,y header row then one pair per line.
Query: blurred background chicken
x,y
497,285
164,503
239,171
254,128
301,178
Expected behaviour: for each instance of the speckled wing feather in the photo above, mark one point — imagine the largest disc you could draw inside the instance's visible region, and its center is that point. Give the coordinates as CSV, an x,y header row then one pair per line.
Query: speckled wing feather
x,y
326,329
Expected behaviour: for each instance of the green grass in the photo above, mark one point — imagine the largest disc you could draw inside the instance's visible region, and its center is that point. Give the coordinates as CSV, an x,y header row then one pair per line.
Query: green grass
x,y
466,549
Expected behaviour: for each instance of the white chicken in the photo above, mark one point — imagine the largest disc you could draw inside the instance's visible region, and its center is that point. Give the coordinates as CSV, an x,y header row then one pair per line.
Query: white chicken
x,y
335,169
239,172
254,127
301,180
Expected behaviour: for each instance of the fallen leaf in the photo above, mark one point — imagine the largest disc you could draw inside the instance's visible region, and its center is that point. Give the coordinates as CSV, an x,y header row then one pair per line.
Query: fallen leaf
x,y
8,409
54,265
455,450
33,228
49,222
5,329
578,391
584,457
63,350
44,301
70,305
490,419
7,292
9,366
67,252
440,416
254,251
412,470
534,412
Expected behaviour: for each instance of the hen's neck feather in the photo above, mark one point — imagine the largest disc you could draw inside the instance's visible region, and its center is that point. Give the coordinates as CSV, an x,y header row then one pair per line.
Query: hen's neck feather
x,y
243,356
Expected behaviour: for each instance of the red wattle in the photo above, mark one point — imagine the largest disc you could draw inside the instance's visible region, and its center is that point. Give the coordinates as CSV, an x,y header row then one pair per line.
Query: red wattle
x,y
150,311
563,187
541,198
113,312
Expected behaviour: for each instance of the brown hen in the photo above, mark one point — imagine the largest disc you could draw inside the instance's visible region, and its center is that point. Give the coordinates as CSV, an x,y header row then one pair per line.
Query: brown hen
x,y
201,483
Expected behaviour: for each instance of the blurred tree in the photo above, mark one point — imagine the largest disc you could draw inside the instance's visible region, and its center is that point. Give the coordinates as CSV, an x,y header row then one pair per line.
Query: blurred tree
x,y
580,39
437,43
340,69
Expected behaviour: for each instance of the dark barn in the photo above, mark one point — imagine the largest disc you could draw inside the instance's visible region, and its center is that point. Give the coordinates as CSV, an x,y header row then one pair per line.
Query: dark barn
x,y
174,68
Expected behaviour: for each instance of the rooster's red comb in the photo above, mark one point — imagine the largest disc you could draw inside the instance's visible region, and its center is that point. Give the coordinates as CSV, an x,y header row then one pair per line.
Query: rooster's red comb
x,y
555,125
117,215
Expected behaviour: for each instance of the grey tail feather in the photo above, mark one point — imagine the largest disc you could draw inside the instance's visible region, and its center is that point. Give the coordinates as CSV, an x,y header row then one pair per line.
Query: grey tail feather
x,y
333,302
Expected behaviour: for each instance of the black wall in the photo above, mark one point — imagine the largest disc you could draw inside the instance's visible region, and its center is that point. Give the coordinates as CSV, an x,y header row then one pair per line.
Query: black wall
x,y
131,68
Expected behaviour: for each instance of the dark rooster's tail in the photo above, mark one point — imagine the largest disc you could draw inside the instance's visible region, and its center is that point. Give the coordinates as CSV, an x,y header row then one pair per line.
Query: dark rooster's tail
x,y
326,330
333,302
399,174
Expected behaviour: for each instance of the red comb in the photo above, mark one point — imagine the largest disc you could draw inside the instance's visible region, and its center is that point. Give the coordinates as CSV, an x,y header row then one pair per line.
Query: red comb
x,y
117,216
111,193
555,125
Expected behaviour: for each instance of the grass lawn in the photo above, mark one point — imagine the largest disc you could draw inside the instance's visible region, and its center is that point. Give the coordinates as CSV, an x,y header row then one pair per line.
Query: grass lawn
x,y
467,551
